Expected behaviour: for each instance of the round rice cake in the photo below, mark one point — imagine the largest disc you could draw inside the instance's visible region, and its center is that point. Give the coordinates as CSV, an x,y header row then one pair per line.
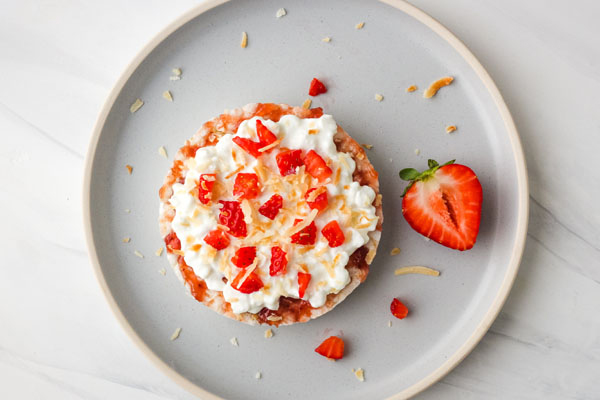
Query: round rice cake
x,y
217,187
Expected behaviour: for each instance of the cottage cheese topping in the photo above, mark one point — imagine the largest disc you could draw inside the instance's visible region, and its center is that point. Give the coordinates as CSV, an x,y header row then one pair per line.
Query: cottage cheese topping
x,y
349,203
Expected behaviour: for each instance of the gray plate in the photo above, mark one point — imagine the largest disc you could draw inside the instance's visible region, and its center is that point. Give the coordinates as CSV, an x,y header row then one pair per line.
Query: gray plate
x,y
398,46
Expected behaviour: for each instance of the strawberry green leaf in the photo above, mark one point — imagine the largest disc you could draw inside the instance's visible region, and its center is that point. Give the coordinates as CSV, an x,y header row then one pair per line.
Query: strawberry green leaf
x,y
409,174
432,163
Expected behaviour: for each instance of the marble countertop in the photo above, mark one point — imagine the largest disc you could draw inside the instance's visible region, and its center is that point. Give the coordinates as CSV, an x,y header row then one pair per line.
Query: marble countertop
x,y
58,61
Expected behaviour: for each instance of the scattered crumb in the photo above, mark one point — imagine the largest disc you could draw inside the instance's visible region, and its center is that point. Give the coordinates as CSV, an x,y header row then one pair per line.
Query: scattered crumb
x,y
175,78
244,40
268,334
137,253
159,252
162,151
417,151
390,324
367,146
437,85
127,210
360,25
129,169
137,104
359,373
234,341
162,271
175,334
167,95
395,251
391,160
126,240
280,13
417,269
411,89
378,97
259,374
425,238
307,103
451,128
326,39
176,71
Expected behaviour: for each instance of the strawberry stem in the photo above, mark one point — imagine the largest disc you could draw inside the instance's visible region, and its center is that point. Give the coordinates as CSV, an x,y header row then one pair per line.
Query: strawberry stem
x,y
412,175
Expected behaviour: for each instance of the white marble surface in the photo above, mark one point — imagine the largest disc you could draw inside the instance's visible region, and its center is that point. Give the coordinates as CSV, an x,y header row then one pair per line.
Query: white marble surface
x,y
58,60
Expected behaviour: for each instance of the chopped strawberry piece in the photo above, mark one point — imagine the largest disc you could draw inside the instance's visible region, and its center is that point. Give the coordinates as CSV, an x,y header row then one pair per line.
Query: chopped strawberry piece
x,y
205,187
316,87
303,281
265,136
316,166
244,256
398,309
319,202
306,236
232,216
444,203
272,206
334,234
288,161
250,285
278,261
172,242
217,239
251,147
332,347
246,186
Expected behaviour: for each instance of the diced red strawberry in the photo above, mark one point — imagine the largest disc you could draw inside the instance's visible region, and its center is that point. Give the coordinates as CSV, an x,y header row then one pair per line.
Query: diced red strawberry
x,y
278,261
444,204
272,206
332,347
232,216
306,236
205,187
217,239
288,161
244,256
303,281
316,87
316,166
250,146
265,136
398,309
172,242
250,285
334,234
320,202
246,186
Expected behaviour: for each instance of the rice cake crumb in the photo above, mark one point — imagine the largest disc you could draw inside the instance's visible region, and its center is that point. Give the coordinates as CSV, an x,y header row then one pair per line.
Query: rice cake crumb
x,y
162,271
378,97
360,25
281,13
176,71
244,42
451,128
367,146
126,240
417,151
129,169
162,151
395,251
259,374
127,210
167,95
159,252
175,334
307,103
411,89
234,341
137,253
359,373
390,323
137,104
326,39
268,334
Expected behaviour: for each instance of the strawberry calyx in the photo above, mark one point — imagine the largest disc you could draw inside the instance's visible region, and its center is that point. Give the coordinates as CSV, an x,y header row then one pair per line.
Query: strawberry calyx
x,y
412,175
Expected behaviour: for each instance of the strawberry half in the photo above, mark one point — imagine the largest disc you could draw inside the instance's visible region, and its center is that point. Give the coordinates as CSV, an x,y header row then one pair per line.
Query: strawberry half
x,y
443,203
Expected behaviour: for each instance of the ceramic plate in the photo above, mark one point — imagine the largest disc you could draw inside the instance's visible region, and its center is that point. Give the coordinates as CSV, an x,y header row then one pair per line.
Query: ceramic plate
x,y
398,46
